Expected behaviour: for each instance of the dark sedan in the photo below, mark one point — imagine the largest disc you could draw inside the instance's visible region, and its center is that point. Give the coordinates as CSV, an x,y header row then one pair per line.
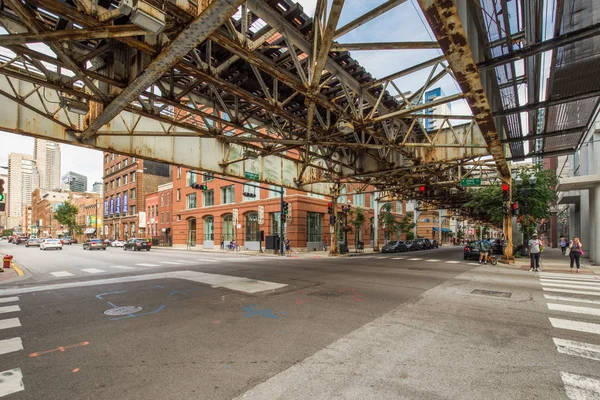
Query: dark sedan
x,y
94,244
395,246
137,244
411,245
423,243
497,246
471,250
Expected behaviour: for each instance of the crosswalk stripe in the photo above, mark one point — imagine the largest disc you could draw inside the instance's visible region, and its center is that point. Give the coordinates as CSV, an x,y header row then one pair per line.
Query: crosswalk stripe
x,y
577,349
574,309
579,326
11,345
9,323
59,274
452,262
381,258
93,270
398,258
570,282
11,382
568,275
580,387
474,264
571,291
170,262
572,299
432,260
187,261
147,265
414,259
9,309
9,299
570,286
121,267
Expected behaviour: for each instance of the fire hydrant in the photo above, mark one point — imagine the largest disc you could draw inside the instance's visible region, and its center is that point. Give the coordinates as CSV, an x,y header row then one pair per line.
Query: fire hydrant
x,y
7,259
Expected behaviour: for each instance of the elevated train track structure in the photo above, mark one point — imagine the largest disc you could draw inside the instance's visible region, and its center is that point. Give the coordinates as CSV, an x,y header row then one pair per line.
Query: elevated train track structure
x,y
260,89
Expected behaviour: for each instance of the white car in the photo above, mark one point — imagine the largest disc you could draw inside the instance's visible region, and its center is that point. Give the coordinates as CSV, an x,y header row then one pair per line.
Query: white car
x,y
51,244
117,243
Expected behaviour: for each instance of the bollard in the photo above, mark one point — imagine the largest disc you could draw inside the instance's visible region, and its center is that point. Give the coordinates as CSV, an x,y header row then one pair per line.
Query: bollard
x,y
7,259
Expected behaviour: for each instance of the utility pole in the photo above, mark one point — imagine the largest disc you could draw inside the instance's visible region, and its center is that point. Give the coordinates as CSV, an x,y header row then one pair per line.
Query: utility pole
x,y
376,222
97,218
334,232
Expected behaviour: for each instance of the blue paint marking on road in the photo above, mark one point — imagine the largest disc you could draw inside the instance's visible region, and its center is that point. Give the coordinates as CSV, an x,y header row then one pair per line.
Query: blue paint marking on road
x,y
99,296
251,310
159,309
159,286
112,305
175,291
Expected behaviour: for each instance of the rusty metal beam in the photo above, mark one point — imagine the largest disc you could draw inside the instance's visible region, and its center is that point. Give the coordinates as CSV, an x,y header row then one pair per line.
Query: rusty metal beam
x,y
112,31
363,19
385,46
404,72
209,20
436,102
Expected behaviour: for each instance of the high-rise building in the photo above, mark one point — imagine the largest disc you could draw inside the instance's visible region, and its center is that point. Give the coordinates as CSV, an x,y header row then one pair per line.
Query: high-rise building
x,y
21,173
46,155
74,182
98,188
442,109
3,225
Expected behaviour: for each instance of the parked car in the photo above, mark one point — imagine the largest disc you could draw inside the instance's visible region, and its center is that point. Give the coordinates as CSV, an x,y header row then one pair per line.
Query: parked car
x,y
20,239
423,243
68,240
50,243
137,244
92,244
471,250
117,243
434,244
497,246
394,246
411,245
33,242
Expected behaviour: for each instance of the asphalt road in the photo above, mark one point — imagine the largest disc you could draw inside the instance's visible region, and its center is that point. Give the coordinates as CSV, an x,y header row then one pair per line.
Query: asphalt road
x,y
405,326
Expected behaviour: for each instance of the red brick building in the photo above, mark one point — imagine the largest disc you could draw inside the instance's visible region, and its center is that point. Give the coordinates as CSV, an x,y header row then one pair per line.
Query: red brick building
x,y
89,218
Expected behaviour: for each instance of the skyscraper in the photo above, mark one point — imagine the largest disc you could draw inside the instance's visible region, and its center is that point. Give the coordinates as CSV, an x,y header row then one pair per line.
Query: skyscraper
x,y
46,155
74,182
98,188
21,173
442,109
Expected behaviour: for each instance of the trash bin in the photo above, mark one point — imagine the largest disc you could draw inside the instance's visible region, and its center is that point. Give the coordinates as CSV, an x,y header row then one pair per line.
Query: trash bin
x,y
7,259
343,248
360,246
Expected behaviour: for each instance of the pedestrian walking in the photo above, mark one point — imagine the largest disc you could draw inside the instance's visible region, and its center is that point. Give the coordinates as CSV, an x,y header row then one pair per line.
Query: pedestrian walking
x,y
564,243
222,242
535,251
484,250
287,247
575,253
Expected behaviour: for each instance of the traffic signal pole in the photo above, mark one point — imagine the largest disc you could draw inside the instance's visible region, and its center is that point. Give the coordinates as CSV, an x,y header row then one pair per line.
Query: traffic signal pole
x,y
507,223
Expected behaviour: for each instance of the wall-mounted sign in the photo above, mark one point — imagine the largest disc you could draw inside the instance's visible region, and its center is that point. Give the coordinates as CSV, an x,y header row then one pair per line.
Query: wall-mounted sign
x,y
118,205
112,206
125,203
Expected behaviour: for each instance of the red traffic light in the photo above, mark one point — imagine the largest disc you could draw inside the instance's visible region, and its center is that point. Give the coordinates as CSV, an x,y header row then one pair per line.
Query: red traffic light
x,y
329,204
515,206
421,188
505,187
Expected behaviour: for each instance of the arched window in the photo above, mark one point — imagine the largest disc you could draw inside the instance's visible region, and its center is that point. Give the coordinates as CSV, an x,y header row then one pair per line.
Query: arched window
x,y
209,231
228,228
252,229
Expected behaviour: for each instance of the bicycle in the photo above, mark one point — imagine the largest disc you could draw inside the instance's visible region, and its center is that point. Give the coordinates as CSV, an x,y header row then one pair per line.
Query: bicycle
x,y
491,259
231,247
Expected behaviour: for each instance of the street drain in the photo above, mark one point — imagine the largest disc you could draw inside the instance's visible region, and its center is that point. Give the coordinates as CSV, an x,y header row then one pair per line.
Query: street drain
x,y
123,310
491,293
328,295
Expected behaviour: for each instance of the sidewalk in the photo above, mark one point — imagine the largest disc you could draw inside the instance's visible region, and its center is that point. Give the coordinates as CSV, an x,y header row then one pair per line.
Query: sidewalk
x,y
552,260
10,274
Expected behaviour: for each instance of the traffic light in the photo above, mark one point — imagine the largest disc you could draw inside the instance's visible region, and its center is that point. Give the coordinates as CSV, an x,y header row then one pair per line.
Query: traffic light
x,y
246,194
505,192
515,209
332,220
422,189
505,211
286,208
1,189
330,208
199,186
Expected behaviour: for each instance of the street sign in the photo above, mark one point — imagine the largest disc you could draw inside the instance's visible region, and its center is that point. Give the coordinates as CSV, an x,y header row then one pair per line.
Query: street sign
x,y
251,175
470,182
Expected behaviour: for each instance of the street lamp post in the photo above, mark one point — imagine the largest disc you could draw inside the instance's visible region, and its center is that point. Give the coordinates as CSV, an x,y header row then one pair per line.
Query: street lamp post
x,y
526,191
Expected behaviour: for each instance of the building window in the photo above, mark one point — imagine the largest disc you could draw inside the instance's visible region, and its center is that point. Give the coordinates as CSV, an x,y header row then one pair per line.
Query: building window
x,y
113,184
149,211
112,169
133,159
275,194
209,198
106,159
191,201
178,172
227,195
162,200
162,218
178,194
316,196
190,178
372,200
132,194
133,177
106,172
168,220
252,228
178,217
113,156
359,199
118,182
342,199
399,207
251,193
228,228
106,187
314,232
118,166
209,231
275,223
168,198
208,177
126,162
125,179
132,210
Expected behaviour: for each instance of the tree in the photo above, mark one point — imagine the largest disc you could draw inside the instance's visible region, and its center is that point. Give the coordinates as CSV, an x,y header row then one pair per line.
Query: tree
x,y
388,220
8,232
358,219
406,225
66,214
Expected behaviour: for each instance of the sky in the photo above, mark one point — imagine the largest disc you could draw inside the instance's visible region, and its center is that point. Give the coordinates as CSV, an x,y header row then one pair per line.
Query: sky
x,y
403,23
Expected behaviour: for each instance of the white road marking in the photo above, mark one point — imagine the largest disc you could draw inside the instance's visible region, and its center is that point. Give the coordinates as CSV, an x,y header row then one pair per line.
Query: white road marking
x,y
9,299
398,258
475,264
575,325
207,259
187,261
580,387
574,309
9,323
93,270
148,265
571,291
572,277
568,275
432,260
381,258
61,274
570,282
11,381
9,309
121,267
11,345
245,285
577,349
369,257
570,286
452,262
170,262
572,299
414,259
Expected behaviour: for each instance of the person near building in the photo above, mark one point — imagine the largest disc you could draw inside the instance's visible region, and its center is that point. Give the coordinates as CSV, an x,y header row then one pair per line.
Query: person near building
x,y
576,251
535,251
484,250
222,242
287,247
564,243
325,243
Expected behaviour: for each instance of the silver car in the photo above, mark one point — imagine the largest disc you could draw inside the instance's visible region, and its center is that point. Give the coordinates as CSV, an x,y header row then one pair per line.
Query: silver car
x,y
51,244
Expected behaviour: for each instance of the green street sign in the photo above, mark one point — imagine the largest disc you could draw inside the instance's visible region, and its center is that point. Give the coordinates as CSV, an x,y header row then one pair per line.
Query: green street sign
x,y
1,196
470,182
251,175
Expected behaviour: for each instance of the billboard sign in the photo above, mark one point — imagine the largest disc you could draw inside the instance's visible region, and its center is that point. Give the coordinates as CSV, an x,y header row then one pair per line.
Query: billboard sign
x,y
106,208
118,205
112,206
125,203
142,219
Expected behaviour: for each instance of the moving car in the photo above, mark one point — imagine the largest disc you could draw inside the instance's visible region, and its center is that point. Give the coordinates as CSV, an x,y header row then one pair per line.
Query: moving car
x,y
91,244
33,242
20,239
117,243
471,250
68,240
394,246
51,244
137,244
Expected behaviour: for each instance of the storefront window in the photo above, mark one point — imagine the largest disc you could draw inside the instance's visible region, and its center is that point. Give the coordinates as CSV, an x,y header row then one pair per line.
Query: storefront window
x,y
252,228
314,230
228,228
209,225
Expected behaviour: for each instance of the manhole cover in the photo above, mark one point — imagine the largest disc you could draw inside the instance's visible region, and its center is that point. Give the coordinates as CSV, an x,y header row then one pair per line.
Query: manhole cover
x,y
491,293
123,310
328,295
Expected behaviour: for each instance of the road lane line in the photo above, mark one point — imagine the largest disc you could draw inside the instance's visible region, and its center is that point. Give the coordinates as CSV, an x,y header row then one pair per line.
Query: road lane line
x,y
11,345
93,270
475,264
579,326
571,291
452,262
398,258
148,265
414,259
432,260
121,267
570,286
572,299
9,309
577,349
580,387
61,274
574,309
567,275
570,282
9,299
9,323
381,258
572,277
170,262
187,261
207,259
11,381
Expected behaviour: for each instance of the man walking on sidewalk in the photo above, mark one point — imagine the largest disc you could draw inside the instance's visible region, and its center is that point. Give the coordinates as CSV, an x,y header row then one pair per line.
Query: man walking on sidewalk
x,y
535,250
